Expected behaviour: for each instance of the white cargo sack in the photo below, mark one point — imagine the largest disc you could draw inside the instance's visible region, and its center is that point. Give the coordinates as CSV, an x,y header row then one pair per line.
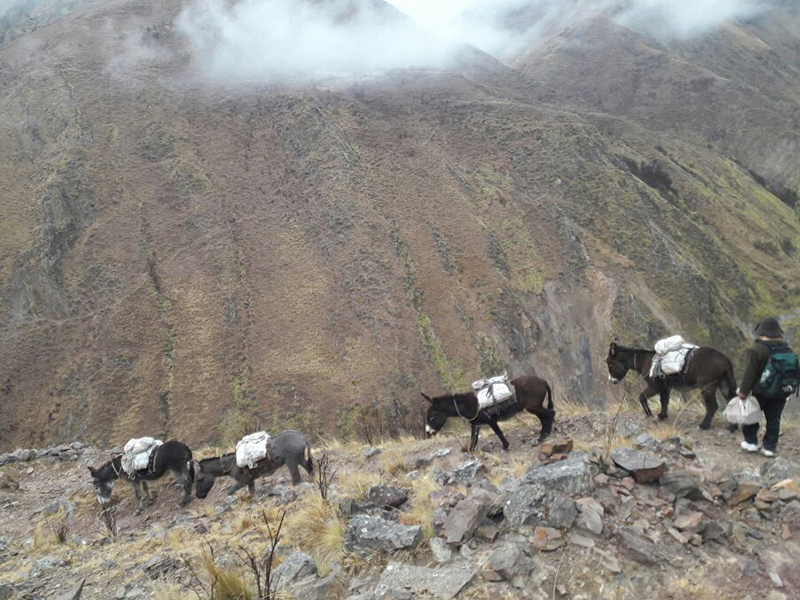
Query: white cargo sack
x,y
492,391
743,412
670,356
251,449
137,453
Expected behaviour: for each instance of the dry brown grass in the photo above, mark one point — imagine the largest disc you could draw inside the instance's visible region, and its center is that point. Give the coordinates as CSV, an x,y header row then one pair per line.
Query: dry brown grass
x,y
356,484
317,529
229,583
420,508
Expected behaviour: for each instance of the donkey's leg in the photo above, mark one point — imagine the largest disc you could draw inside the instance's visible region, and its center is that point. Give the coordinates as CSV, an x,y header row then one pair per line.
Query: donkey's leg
x,y
251,488
291,464
496,428
650,391
546,418
186,483
473,438
148,496
709,394
139,498
240,483
664,403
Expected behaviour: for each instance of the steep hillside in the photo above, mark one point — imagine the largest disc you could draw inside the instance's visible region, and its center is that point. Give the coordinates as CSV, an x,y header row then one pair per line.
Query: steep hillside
x,y
190,259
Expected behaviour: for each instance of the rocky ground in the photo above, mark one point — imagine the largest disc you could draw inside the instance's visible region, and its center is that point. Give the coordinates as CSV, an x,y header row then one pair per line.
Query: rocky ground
x,y
614,507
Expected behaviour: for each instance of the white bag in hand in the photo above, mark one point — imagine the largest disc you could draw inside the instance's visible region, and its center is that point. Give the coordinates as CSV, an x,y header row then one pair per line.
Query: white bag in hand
x,y
743,412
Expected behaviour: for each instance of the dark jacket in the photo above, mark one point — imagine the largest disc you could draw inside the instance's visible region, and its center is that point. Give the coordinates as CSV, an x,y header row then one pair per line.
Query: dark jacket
x,y
755,362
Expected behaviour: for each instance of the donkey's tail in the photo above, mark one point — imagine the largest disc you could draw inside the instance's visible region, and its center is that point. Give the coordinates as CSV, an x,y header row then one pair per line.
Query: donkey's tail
x,y
309,460
549,396
729,382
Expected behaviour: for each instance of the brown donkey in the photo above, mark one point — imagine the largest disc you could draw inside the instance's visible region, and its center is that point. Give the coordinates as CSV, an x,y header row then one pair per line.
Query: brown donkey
x,y
531,394
708,370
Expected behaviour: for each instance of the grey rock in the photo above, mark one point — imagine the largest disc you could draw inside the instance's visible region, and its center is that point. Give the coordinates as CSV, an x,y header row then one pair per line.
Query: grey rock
x,y
386,496
160,565
682,484
366,534
295,567
443,583
6,591
642,466
572,476
648,442
315,588
464,519
350,507
778,469
628,428
57,506
25,455
4,543
440,550
505,561
534,505
590,517
637,547
371,451
45,564
77,446
284,493
74,593
467,472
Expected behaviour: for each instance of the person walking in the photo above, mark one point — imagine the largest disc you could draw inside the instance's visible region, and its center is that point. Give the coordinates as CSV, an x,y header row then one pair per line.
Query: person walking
x,y
771,374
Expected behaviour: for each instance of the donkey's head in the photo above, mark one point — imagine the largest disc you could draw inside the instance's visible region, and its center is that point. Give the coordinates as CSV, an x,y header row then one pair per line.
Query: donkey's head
x,y
617,368
203,482
102,485
435,418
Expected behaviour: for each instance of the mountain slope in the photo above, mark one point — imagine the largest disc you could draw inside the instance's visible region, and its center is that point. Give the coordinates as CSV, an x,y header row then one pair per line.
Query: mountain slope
x,y
195,260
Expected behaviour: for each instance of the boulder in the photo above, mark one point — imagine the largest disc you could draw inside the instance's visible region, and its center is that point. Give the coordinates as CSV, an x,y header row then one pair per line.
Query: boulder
x,y
590,515
7,482
642,466
366,534
6,591
778,469
316,588
743,491
535,505
58,506
555,449
647,442
464,519
571,476
547,539
406,581
386,496
466,473
46,563
447,496
682,485
295,567
440,550
160,566
638,547
503,563
691,523
787,490
371,451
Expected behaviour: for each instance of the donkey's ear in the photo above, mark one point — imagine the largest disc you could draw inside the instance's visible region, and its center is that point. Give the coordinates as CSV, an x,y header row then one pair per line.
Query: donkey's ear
x,y
612,349
427,398
197,467
92,471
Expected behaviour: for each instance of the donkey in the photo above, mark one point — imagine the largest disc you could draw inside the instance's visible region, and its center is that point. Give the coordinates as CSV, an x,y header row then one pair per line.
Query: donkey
x,y
288,448
708,370
531,393
171,456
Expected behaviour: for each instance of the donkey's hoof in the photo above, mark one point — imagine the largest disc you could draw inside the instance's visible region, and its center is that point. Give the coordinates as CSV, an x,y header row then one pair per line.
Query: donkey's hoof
x,y
662,417
704,426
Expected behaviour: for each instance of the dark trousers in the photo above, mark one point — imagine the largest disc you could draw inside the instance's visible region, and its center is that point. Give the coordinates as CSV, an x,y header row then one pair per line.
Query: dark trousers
x,y
772,409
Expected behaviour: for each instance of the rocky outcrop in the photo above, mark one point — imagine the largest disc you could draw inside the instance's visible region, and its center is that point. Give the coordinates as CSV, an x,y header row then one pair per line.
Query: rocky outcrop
x,y
366,534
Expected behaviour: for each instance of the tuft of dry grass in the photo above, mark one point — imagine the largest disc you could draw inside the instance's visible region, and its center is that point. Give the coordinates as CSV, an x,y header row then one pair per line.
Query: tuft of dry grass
x,y
317,529
420,508
393,463
228,583
356,484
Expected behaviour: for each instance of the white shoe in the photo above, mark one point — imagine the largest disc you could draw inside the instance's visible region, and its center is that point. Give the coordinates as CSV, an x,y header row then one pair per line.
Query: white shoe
x,y
767,453
749,447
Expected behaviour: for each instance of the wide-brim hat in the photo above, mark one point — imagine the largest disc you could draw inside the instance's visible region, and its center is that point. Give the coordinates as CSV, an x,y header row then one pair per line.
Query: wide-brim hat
x,y
769,327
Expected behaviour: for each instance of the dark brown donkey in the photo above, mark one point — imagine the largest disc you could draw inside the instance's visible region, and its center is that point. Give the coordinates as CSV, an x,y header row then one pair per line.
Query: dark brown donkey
x,y
708,370
531,393
171,456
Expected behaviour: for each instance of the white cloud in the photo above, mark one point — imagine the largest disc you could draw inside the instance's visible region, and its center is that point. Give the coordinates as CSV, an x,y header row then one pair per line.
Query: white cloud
x,y
266,40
